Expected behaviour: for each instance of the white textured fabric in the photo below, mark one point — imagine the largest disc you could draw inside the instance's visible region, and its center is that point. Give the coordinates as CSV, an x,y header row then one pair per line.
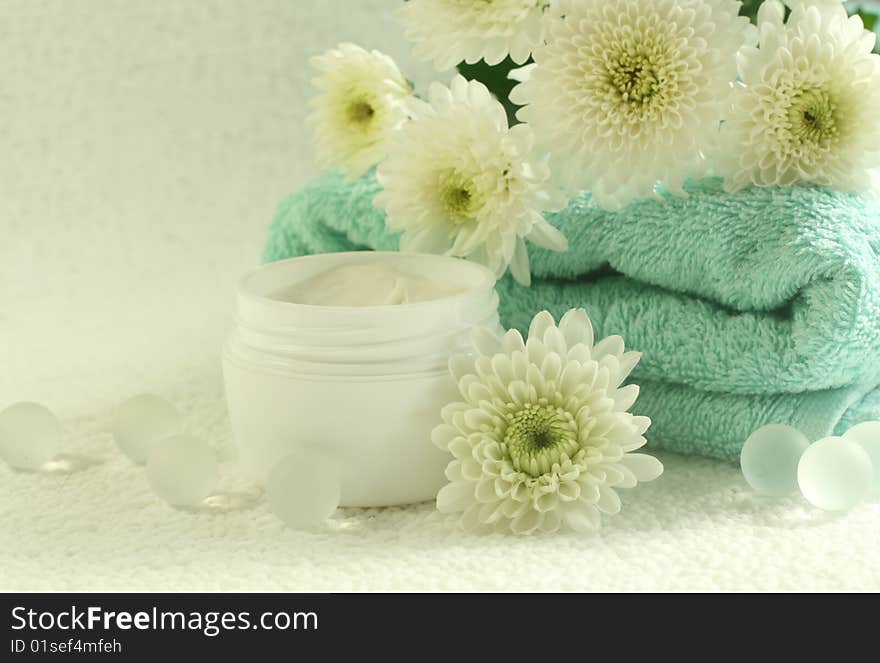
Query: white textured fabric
x,y
145,146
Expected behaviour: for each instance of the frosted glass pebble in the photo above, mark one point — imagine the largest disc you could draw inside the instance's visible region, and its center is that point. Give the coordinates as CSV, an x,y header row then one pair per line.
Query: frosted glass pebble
x,y
30,435
141,421
769,459
182,470
835,474
303,489
867,434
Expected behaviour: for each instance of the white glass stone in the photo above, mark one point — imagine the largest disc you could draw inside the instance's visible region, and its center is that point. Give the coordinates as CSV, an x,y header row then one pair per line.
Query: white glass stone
x,y
769,459
303,489
30,435
835,474
182,470
867,434
142,421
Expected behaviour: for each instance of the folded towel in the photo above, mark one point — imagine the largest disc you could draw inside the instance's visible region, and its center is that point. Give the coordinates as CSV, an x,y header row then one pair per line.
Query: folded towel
x,y
750,308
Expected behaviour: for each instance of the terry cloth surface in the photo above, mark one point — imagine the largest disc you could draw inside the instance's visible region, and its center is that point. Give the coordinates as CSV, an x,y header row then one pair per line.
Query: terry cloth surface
x,y
750,308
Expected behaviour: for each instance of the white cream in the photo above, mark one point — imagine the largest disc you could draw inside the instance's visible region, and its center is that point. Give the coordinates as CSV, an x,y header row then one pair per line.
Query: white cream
x,y
366,284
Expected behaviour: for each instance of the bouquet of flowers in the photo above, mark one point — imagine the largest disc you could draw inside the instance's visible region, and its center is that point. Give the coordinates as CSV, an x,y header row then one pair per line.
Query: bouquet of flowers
x,y
624,99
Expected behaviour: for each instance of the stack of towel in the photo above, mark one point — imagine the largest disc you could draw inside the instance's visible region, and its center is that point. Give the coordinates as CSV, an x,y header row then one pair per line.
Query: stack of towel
x,y
761,306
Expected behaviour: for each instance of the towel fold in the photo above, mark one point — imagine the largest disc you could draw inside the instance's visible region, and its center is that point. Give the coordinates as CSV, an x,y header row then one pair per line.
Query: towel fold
x,y
761,306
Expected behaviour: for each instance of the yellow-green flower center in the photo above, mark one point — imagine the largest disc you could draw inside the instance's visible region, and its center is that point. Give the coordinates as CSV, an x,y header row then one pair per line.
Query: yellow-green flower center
x,y
458,197
812,115
634,77
360,112
539,436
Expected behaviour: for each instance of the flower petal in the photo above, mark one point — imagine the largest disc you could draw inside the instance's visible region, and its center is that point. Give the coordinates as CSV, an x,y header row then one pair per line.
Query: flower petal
x,y
455,497
589,489
625,397
519,392
551,367
547,237
492,512
643,466
450,410
471,520
460,448
580,353
527,522
478,420
551,522
555,341
485,491
512,341
628,479
569,491
582,518
470,469
627,363
572,377
546,502
536,351
540,324
641,423
502,366
478,392
519,362
632,443
608,502
608,346
519,266
512,508
442,435
576,327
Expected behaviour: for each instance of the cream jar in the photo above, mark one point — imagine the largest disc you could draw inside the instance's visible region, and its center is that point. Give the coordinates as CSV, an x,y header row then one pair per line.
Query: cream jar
x,y
362,382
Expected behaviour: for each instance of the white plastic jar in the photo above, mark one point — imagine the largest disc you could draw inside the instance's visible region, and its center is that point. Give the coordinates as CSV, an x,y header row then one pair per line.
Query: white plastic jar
x,y
362,384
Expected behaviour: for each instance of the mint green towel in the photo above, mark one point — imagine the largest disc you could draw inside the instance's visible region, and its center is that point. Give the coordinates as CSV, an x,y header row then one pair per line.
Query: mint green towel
x,y
750,308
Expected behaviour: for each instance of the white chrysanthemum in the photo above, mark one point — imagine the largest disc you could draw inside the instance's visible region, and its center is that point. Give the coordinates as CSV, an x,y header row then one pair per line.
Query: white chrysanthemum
x,y
458,181
360,102
542,438
807,106
627,94
452,31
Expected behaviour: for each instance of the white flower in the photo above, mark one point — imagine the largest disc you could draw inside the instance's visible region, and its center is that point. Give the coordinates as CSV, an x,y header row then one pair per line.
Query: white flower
x,y
807,107
458,181
451,31
626,94
542,437
360,102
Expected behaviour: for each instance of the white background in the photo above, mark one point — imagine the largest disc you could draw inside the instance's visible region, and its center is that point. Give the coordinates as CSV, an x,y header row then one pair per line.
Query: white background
x,y
144,146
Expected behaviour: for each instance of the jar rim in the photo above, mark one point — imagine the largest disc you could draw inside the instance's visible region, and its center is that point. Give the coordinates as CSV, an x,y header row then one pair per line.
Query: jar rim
x,y
484,280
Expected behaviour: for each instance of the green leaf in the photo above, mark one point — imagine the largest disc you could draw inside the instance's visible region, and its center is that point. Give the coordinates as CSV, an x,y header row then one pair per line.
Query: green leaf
x,y
495,78
750,8
870,20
